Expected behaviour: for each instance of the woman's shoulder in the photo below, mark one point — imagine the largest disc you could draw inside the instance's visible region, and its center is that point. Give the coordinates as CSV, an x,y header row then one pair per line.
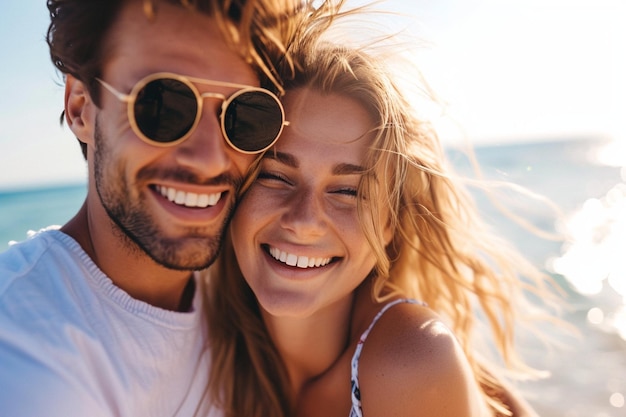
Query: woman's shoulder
x,y
410,337
412,364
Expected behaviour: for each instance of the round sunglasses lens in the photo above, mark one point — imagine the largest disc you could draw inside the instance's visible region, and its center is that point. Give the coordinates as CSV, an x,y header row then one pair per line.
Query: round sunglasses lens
x,y
165,110
253,120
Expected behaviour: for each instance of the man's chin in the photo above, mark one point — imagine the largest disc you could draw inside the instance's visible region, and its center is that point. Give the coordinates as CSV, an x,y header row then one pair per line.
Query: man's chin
x,y
186,256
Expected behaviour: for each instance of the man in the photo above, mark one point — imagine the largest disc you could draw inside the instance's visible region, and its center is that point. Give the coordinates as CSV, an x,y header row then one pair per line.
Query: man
x,y
104,316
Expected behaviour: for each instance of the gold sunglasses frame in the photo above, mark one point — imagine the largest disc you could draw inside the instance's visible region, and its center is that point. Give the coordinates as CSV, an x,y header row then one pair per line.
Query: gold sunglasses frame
x,y
130,99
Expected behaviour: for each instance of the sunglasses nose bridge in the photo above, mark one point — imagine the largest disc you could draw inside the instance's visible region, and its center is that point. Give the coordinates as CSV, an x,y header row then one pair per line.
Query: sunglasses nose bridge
x,y
213,95
217,96
215,113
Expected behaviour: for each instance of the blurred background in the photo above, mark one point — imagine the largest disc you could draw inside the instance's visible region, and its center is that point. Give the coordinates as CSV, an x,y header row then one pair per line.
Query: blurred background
x,y
537,87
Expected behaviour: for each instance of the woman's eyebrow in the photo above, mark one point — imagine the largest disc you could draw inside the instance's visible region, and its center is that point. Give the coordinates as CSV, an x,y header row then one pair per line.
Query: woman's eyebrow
x,y
348,169
283,158
291,161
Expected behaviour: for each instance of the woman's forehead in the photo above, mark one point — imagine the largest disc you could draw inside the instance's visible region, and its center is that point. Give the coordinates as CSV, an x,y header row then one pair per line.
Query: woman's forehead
x,y
327,117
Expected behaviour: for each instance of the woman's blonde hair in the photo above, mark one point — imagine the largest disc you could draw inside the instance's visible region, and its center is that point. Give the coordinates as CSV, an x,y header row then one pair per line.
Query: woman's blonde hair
x,y
441,251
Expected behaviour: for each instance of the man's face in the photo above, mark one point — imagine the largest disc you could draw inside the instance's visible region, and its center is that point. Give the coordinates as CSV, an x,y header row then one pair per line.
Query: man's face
x,y
173,202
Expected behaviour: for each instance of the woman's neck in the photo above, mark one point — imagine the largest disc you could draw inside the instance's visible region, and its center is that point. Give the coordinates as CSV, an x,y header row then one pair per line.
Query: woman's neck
x,y
310,345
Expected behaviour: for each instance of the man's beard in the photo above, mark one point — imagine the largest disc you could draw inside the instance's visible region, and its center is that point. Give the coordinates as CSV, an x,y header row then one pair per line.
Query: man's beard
x,y
134,224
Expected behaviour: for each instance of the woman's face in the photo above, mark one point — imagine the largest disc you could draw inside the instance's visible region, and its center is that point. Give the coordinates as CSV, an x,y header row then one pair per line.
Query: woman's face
x,y
296,233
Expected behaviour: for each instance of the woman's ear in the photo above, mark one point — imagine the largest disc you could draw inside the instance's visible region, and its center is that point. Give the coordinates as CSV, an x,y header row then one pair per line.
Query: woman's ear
x,y
79,110
388,233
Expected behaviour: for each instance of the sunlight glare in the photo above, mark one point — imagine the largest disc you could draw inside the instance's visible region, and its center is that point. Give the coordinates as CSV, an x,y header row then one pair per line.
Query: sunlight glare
x,y
613,154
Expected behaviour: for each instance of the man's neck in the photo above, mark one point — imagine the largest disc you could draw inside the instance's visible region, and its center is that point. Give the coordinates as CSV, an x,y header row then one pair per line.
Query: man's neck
x,y
131,269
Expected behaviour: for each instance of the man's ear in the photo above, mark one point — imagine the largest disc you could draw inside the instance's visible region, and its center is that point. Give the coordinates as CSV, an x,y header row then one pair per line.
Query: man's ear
x,y
79,110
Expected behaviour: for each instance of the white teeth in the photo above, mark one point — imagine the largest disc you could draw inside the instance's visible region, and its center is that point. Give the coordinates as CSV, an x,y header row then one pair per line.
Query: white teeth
x,y
189,199
170,193
203,200
292,260
180,197
299,261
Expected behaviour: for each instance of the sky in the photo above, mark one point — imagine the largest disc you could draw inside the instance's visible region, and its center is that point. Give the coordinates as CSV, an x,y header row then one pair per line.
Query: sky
x,y
509,70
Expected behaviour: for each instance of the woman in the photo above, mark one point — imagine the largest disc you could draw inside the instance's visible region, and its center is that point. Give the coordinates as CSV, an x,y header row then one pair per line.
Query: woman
x,y
356,264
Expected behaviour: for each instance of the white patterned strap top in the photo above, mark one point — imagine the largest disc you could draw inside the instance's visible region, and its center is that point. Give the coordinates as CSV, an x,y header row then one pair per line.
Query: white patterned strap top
x,y
356,410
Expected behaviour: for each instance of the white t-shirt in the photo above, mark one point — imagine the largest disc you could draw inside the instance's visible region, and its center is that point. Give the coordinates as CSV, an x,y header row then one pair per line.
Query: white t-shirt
x,y
74,344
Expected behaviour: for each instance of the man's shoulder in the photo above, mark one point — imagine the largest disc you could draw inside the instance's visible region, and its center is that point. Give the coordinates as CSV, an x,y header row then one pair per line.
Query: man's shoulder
x,y
31,247
33,258
33,338
34,278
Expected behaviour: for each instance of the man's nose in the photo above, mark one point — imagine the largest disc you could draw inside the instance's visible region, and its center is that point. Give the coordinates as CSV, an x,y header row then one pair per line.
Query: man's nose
x,y
206,150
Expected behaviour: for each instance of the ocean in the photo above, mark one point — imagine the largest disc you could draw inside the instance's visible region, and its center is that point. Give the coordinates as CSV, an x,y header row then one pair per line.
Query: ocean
x,y
586,179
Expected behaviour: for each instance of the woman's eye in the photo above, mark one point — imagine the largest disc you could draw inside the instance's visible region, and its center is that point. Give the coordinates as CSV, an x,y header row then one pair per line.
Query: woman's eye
x,y
347,191
272,176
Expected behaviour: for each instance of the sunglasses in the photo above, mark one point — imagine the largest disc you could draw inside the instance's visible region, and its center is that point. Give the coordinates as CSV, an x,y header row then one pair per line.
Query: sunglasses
x,y
165,108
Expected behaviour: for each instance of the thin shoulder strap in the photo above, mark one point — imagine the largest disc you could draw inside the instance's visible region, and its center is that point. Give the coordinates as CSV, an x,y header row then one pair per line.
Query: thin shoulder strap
x,y
356,410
